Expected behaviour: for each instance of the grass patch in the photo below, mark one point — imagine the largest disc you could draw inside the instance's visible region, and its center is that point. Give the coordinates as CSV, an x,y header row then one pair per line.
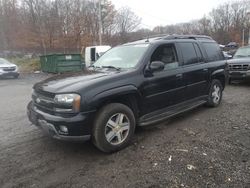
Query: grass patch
x,y
27,65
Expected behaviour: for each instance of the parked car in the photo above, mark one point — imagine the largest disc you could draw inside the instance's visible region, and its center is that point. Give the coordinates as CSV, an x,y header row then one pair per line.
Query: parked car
x,y
8,69
135,84
232,45
239,66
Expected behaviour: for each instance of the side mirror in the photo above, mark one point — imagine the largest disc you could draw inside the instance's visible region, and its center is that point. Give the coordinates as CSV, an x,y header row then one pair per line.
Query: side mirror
x,y
156,66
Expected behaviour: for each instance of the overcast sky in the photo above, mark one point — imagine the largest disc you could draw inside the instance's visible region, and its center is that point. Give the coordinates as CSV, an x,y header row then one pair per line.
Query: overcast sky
x,y
164,12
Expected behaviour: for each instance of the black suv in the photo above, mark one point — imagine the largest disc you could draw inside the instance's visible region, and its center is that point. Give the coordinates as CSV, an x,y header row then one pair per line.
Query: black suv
x,y
135,84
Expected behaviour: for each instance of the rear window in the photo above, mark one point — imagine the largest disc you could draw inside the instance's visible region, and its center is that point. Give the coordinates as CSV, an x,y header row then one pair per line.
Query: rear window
x,y
213,51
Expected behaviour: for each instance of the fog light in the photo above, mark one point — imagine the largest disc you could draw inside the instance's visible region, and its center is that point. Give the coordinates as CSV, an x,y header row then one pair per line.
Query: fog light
x,y
63,129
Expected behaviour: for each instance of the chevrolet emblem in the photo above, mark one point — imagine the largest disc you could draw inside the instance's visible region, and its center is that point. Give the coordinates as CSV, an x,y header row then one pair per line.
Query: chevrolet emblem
x,y
38,100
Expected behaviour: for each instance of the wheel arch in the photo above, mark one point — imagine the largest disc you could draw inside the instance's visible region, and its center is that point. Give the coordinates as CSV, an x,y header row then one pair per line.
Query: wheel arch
x,y
127,95
219,75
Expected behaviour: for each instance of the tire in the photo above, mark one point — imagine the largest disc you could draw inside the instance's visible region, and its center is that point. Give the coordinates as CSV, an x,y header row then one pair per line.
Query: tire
x,y
113,128
215,94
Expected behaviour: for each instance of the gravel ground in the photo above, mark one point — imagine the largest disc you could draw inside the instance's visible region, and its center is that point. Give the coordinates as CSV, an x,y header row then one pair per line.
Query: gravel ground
x,y
207,147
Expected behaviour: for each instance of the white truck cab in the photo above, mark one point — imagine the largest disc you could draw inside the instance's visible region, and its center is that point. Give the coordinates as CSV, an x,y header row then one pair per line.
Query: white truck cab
x,y
92,53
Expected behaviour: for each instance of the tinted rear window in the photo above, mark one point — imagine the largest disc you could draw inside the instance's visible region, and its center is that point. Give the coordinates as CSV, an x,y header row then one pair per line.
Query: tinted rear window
x,y
189,53
198,52
213,51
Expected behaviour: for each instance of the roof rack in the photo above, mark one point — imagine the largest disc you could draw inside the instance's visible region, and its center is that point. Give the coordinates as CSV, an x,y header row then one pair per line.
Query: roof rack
x,y
175,36
158,36
195,37
155,37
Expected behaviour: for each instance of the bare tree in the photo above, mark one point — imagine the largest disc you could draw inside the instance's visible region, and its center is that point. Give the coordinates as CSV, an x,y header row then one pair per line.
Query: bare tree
x,y
2,33
67,25
108,15
204,26
126,22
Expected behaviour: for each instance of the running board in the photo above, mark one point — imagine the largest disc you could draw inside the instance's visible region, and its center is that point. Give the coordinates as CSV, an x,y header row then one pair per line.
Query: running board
x,y
169,112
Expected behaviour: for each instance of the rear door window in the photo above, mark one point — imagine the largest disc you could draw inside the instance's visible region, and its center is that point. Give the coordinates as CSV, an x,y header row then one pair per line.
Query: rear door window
x,y
198,53
188,53
213,51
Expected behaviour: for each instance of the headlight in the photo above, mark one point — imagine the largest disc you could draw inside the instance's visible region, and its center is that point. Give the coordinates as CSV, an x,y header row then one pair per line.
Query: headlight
x,y
1,71
67,102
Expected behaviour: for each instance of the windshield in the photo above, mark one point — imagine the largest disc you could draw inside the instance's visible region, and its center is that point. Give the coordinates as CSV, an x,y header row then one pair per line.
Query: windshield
x,y
122,57
3,61
242,52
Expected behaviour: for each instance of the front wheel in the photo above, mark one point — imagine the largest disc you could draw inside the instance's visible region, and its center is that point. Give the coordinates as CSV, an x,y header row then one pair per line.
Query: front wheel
x,y
215,94
113,128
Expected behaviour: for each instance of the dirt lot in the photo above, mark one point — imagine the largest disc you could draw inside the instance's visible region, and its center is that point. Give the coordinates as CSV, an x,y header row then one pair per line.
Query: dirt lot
x,y
203,148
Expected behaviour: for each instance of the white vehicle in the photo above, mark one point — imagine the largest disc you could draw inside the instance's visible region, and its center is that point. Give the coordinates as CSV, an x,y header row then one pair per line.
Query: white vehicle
x,y
92,53
8,69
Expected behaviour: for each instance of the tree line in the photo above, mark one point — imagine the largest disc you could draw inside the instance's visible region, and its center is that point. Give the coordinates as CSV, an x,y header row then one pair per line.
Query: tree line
x,y
225,23
62,25
46,26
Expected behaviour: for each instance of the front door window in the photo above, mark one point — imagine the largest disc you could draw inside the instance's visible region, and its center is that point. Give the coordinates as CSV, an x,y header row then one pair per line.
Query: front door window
x,y
167,55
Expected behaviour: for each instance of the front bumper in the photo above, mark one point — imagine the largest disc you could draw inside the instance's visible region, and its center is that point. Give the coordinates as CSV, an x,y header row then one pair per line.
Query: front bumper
x,y
5,74
239,74
79,126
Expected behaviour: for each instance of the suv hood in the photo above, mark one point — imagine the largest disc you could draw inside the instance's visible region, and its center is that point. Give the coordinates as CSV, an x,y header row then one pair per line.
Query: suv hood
x,y
239,60
5,65
70,82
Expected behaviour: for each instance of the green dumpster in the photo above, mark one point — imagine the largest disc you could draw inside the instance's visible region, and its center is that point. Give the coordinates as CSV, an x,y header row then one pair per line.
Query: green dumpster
x,y
58,63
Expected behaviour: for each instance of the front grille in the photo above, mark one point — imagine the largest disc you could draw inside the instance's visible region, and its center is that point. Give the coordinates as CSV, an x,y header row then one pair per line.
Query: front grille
x,y
238,67
44,93
44,101
9,69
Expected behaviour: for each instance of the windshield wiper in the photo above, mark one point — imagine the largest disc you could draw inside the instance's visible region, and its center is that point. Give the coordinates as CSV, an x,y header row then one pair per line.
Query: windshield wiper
x,y
111,67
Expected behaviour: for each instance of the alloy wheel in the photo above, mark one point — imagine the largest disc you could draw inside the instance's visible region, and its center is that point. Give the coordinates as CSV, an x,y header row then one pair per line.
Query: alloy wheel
x,y
117,129
216,94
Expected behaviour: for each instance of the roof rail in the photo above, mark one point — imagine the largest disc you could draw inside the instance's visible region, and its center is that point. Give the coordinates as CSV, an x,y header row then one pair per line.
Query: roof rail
x,y
158,35
155,37
195,37
174,36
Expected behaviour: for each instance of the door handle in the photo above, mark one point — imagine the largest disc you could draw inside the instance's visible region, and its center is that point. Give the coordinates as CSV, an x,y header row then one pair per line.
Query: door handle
x,y
178,75
205,70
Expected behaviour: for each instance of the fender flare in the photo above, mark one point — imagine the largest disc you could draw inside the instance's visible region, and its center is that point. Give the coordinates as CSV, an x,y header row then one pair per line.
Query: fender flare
x,y
113,93
219,72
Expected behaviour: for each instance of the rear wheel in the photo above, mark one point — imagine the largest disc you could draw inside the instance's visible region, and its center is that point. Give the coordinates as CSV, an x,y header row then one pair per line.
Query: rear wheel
x,y
215,93
113,128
